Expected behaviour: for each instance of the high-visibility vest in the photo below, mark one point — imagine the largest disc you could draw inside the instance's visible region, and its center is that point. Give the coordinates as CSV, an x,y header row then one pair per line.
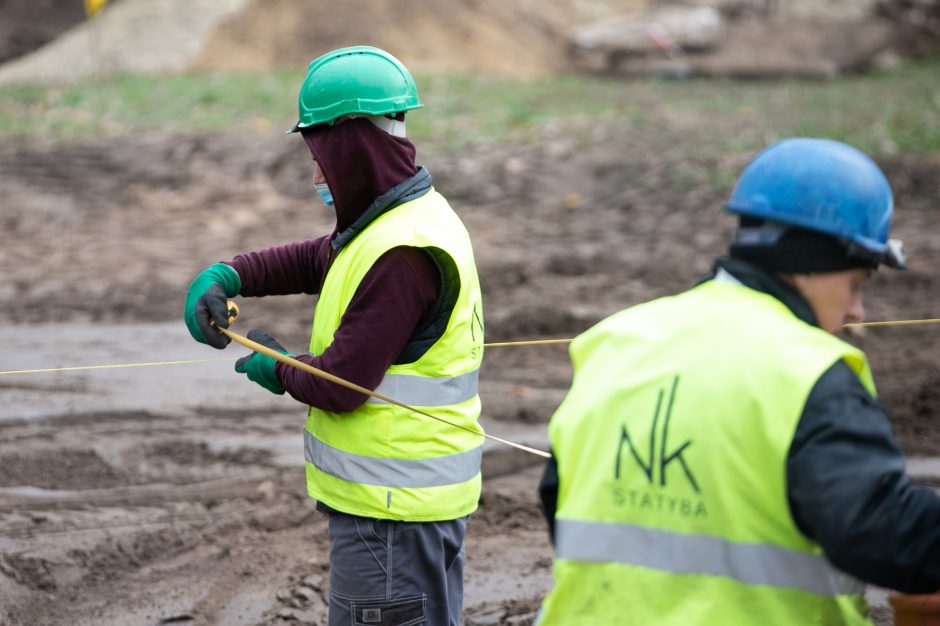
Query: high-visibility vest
x,y
380,460
672,460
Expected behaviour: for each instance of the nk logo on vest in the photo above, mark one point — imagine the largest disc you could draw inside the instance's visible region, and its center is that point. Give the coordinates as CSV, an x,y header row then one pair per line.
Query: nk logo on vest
x,y
659,454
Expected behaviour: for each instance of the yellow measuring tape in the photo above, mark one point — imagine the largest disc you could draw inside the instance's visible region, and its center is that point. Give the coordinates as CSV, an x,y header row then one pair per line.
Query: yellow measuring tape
x,y
283,358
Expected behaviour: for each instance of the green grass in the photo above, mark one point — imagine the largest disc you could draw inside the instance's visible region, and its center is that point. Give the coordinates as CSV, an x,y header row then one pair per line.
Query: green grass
x,y
881,112
128,104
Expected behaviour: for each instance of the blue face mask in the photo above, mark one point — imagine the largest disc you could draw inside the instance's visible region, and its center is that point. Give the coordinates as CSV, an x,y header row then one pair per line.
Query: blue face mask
x,y
325,194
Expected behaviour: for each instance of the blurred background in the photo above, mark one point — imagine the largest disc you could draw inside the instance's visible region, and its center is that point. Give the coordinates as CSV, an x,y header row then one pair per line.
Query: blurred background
x,y
587,144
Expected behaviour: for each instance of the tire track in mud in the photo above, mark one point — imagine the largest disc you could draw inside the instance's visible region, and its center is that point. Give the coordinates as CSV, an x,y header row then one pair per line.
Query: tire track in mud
x,y
125,505
150,537
71,544
88,501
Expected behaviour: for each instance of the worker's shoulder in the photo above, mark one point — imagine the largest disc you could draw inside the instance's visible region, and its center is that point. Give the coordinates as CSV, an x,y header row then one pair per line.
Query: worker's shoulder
x,y
838,381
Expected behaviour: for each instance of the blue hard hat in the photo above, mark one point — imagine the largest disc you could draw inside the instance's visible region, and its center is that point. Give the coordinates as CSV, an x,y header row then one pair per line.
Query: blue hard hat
x,y
820,185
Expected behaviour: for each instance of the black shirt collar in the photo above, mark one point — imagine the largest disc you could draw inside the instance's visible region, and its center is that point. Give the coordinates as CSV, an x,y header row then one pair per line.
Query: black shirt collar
x,y
754,277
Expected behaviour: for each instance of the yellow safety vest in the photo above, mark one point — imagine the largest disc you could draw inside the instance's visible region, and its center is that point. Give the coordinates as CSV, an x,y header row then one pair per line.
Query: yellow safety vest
x,y
672,450
382,461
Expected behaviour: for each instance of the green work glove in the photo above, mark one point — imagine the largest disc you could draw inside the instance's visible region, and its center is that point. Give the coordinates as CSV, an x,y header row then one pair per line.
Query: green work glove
x,y
260,367
207,299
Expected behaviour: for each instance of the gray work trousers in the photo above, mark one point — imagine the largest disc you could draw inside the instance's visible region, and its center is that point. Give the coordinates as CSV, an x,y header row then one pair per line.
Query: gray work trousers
x,y
386,573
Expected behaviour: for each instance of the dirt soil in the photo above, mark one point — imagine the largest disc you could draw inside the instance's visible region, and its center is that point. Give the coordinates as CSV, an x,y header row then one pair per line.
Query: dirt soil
x,y
513,37
28,24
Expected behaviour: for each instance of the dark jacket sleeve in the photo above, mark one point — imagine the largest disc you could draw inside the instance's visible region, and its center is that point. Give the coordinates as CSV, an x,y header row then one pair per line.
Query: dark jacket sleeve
x,y
297,267
548,494
395,298
848,489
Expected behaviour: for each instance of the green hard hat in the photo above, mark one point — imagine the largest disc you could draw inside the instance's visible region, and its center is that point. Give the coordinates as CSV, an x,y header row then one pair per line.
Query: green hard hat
x,y
358,79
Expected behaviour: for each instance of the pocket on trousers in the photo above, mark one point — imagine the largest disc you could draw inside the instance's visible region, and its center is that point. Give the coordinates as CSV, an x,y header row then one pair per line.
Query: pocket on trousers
x,y
402,612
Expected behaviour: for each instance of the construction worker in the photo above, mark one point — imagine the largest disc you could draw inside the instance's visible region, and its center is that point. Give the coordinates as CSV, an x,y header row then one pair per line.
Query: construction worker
x,y
399,312
721,457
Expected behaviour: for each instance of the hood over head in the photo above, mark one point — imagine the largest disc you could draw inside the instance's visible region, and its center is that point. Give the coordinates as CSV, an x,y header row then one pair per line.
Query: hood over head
x,y
360,162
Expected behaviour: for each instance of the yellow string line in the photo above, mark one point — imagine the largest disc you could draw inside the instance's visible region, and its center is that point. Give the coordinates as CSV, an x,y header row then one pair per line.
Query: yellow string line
x,y
500,344
894,323
534,342
538,342
283,358
103,367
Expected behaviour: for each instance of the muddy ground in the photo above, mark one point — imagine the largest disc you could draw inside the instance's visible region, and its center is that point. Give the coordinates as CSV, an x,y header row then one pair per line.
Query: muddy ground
x,y
175,494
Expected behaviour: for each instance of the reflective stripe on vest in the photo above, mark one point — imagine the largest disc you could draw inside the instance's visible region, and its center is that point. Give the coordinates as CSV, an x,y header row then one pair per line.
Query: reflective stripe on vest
x,y
424,391
400,473
677,553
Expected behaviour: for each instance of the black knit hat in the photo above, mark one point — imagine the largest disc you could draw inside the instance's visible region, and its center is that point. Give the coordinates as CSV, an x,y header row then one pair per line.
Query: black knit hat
x,y
791,250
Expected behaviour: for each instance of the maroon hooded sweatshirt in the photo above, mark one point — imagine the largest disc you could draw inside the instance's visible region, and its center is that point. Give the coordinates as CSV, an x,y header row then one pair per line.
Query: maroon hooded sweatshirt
x,y
397,296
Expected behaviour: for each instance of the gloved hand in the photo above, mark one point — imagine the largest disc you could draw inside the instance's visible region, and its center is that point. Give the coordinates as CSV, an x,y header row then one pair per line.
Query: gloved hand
x,y
207,299
260,367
